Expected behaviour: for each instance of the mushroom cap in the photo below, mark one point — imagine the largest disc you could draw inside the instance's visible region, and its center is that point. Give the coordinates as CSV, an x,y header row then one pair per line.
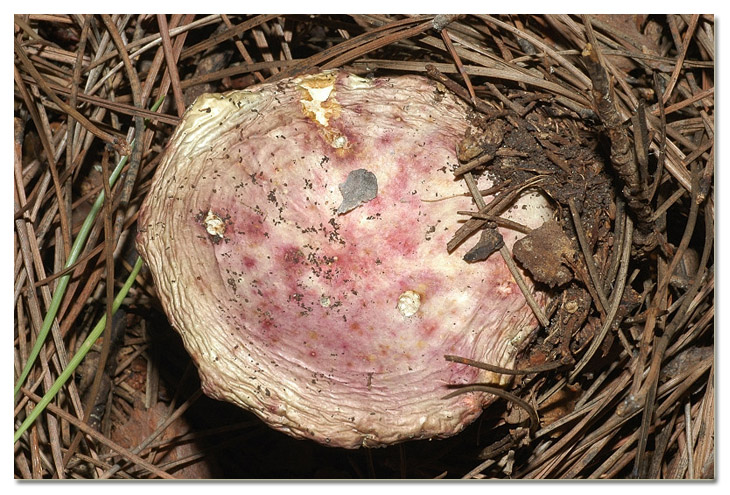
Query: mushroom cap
x,y
331,321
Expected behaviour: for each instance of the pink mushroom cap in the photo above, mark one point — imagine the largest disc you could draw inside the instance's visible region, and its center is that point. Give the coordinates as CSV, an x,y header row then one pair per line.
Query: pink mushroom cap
x,y
296,233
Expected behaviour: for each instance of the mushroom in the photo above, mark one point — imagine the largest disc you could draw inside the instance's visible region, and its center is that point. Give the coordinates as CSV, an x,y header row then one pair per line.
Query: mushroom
x,y
296,233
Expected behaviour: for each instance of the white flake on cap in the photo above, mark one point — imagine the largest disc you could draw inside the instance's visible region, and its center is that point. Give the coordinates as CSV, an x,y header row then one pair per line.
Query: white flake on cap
x,y
214,224
408,303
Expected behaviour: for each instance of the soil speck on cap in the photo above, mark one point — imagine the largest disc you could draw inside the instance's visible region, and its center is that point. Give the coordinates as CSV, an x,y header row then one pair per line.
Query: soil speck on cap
x,y
360,187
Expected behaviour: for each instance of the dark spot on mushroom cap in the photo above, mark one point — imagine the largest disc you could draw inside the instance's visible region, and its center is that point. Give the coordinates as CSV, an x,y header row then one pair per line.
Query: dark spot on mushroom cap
x,y
490,241
360,187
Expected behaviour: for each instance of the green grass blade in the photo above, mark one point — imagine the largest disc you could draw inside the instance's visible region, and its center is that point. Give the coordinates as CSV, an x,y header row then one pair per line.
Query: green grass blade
x,y
79,356
63,281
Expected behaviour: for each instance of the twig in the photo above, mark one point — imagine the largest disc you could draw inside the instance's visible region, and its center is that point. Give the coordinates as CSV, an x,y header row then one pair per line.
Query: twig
x,y
481,387
588,256
622,154
648,390
684,103
242,49
233,32
104,136
115,105
613,307
459,65
101,438
542,46
507,257
515,107
496,206
662,140
504,371
376,43
160,429
688,437
683,53
354,42
478,103
502,222
50,154
171,64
